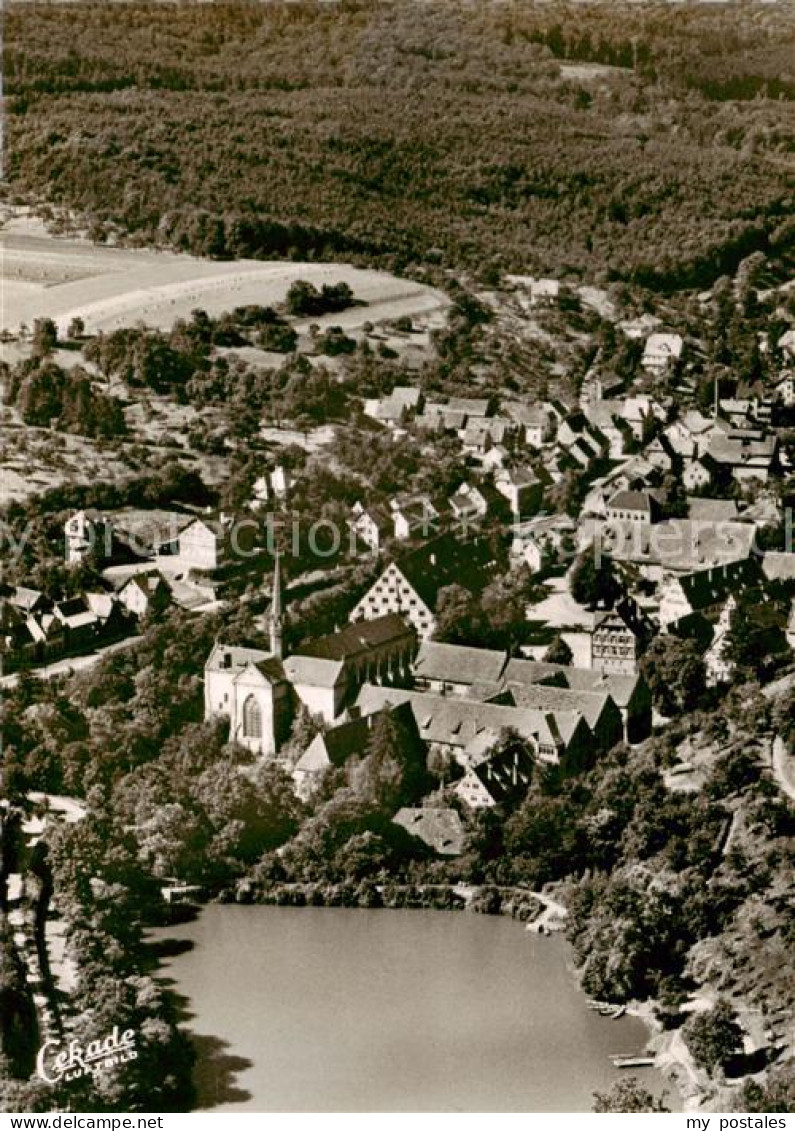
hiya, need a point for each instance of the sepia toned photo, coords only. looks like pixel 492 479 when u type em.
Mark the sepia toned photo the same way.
pixel 397 602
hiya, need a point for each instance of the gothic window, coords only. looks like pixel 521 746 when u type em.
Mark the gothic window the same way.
pixel 252 718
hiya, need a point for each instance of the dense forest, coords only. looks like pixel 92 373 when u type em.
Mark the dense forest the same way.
pixel 602 140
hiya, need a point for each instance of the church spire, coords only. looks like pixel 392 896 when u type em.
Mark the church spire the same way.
pixel 276 610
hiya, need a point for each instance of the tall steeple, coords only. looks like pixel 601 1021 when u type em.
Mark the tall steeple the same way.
pixel 276 610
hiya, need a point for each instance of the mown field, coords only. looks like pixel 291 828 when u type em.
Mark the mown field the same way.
pixel 604 141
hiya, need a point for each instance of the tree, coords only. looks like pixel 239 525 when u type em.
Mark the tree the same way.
pixel 456 615
pixel 45 337
pixel 674 670
pixel 592 579
pixel 628 1095
pixel 713 1036
pixel 558 651
pixel 76 328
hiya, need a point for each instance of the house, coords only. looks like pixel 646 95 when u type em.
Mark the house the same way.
pixel 332 747
pixel 629 692
pixel 659 453
pixel 87 532
pixel 327 672
pixel 596 707
pixel 535 422
pixel 483 432
pixel 617 639
pixel 784 388
pixel 500 778
pixel 531 551
pixel 719 668
pixel 697 473
pixel 495 458
pixel 633 506
pixel 467 504
pixel 786 343
pixel 29 601
pixel 394 408
pixel 522 488
pixel 202 544
pixel 440 829
pixel 703 592
pixel 453 668
pixel 273 487
pixel 144 594
pixel 748 453
pixel 371 525
pixel 413 518
pixel 711 510
pixel 544 292
pixel 411 584
pixel 662 351
pixel 605 416
pixel 677 545
pixel 81 625
pixel 639 412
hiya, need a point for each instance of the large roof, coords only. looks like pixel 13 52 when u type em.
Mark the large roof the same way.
pixel 440 829
pixel 357 638
pixel 454 721
pixel 455 663
pixel 444 561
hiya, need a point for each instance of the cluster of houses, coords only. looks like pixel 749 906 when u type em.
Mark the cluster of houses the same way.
pixel 37 629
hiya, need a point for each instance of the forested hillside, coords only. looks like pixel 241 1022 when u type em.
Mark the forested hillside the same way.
pixel 616 140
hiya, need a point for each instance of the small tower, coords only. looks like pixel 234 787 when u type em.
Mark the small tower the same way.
pixel 276 622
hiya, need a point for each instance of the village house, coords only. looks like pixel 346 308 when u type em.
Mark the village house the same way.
pixel 662 351
pixel 86 533
pixel 413 518
pixel 482 433
pixel 274 487
pixel 329 748
pixel 500 778
pixel 372 525
pixel 454 669
pixel 523 489
pixel 144 594
pixel 697 474
pixel 395 408
pixel 535 421
pixel 703 592
pixel 748 453
pixel 784 388
pixel 719 668
pixel 633 506
pixel 617 640
pixel 467 504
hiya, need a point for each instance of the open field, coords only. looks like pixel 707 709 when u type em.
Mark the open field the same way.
pixel 47 276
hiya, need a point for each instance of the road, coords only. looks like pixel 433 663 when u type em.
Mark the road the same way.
pixel 70 663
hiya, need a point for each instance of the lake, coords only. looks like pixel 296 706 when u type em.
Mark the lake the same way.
pixel 331 1009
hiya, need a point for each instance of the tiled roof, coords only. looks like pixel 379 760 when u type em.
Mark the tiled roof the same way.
pixel 455 663
pixel 356 638
pixel 441 829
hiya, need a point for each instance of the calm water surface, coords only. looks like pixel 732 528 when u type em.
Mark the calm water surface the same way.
pixel 326 1009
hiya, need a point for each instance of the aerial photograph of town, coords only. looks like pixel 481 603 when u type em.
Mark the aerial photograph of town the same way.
pixel 397 587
